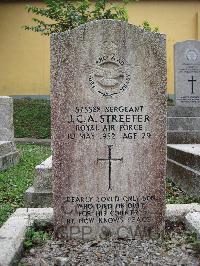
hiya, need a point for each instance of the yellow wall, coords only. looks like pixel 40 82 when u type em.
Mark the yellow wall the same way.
pixel 24 56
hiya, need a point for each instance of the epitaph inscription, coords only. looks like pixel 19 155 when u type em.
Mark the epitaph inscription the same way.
pixel 109 130
pixel 187 71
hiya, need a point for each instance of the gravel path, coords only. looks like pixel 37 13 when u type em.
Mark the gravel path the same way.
pixel 173 250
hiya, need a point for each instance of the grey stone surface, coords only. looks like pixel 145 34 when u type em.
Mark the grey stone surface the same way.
pixel 183 125
pixel 183 137
pixel 181 111
pixel 186 154
pixel 43 179
pixel 6 119
pixel 40 194
pixel 192 221
pixel 9 156
pixel 184 168
pixel 177 212
pixel 12 233
pixel 8 153
pixel 33 141
pixel 187 70
pixel 38 198
pixel 108 81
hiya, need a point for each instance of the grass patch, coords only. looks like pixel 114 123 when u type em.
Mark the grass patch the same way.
pixel 37 235
pixel 15 181
pixel 32 118
pixel 176 195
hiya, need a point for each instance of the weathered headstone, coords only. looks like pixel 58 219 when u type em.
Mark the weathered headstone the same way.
pixel 187 73
pixel 108 81
pixel 8 153
pixel 6 119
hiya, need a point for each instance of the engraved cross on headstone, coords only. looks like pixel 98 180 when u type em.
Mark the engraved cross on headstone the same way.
pixel 192 80
pixel 110 159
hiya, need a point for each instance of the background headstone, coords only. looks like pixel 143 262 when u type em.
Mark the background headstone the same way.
pixel 108 81
pixel 6 119
pixel 8 153
pixel 187 73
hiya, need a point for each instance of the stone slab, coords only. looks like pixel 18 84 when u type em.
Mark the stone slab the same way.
pixel 33 141
pixel 184 177
pixel 8 160
pixel 183 137
pixel 177 212
pixel 38 199
pixel 43 178
pixel 187 70
pixel 183 123
pixel 108 82
pixel 186 154
pixel 6 119
pixel 181 111
pixel 6 147
pixel 12 233
pixel 192 221
pixel 183 166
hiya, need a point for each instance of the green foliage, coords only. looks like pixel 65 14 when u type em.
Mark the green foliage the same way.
pixel 65 15
pixel 15 181
pixel 32 118
pixel 35 237
pixel 176 195
pixel 146 26
pixel 193 240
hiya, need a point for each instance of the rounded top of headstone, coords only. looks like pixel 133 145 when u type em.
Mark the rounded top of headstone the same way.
pixel 187 42
pixel 107 22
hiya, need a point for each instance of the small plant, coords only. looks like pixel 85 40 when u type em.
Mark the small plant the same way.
pixel 193 240
pixel 65 15
pixel 146 26
pixel 35 237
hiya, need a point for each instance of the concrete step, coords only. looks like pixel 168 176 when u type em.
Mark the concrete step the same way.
pixel 6 147
pixel 185 137
pixel 180 111
pixel 37 199
pixel 9 160
pixel 185 154
pixel 183 124
pixel 43 178
pixel 183 166
pixel 186 178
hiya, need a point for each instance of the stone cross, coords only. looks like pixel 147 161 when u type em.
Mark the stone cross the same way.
pixel 192 82
pixel 109 159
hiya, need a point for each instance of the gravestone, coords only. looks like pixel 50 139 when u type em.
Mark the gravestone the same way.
pixel 8 153
pixel 184 118
pixel 108 81
pixel 6 119
pixel 187 73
